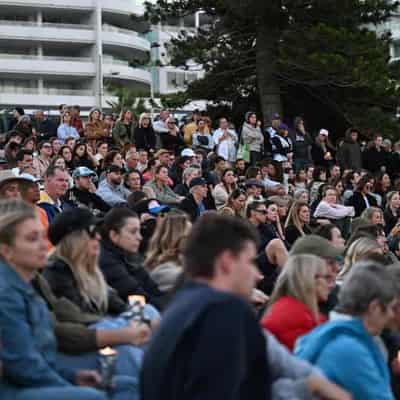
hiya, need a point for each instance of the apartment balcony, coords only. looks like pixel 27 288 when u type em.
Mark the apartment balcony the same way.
pixel 47 97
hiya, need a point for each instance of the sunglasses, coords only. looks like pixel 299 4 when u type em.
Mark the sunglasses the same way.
pixel 264 212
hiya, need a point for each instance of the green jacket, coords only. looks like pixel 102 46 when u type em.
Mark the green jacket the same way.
pixel 123 134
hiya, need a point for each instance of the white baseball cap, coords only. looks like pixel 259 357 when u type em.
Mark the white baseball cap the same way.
pixel 324 132
pixel 187 153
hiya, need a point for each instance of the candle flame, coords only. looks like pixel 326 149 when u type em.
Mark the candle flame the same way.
pixel 108 351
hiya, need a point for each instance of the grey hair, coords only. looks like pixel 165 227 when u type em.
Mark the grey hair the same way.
pixel 365 283
pixel 187 172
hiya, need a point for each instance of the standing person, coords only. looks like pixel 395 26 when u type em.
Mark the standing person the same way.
pixel 65 129
pixel 252 136
pixel 123 132
pixel 374 158
pixel 225 139
pixel 144 135
pixel 282 145
pixel 28 343
pixel 302 143
pixel 172 139
pixel 42 127
pixel 95 128
pixel 209 327
pixel 202 138
pixel 349 153
pixel 76 120
pixel 322 151
pixel 42 161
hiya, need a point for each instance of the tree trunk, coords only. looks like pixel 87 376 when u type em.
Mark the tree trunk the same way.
pixel 266 61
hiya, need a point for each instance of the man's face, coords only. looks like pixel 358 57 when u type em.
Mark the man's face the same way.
pixel 275 123
pixel 46 149
pixel 114 178
pixel 260 213
pixel 56 186
pixel 354 136
pixel 83 182
pixel 39 116
pixel 378 141
pixel 56 146
pixel 221 165
pixel 201 191
pixel 134 182
pixel 143 157
pixel 133 161
pixel 27 163
pixel 241 165
pixel 332 270
pixel 164 159
pixel 164 115
pixel 243 271
pixel 335 172
pixel 223 123
pixel 10 190
pixel 32 193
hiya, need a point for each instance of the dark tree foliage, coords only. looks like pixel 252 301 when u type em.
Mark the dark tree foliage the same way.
pixel 318 58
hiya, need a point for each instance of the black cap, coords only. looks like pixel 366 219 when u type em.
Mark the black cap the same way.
pixel 197 182
pixel 73 220
pixel 113 168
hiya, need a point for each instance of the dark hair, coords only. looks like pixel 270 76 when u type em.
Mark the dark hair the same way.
pixel 22 153
pixel 135 197
pixel 100 143
pixel 362 182
pixel 325 231
pixel 252 172
pixel 115 220
pixel 219 159
pixel 210 237
pixel 317 172
pixel 42 143
pixel 253 206
pixel 109 158
pixel 159 168
pixel 74 151
pixel 51 171
pixel 126 177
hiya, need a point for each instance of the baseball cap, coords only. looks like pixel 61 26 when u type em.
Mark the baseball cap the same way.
pixel 197 182
pixel 83 171
pixel 324 132
pixel 151 206
pixel 283 127
pixel 187 153
pixel 315 245
pixel 276 116
pixel 72 220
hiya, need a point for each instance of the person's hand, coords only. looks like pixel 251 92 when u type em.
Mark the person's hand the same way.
pixel 327 156
pixel 395 231
pixel 323 222
pixel 88 378
pixel 181 198
pixel 258 298
pixel 325 389
pixel 138 333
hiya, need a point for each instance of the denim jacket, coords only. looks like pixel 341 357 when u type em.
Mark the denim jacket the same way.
pixel 28 345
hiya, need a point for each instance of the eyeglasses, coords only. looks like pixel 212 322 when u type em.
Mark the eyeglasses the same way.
pixel 92 231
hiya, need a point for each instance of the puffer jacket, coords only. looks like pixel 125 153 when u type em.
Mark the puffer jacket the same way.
pixel 253 137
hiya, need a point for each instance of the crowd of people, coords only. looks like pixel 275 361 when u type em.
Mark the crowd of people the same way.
pixel 217 262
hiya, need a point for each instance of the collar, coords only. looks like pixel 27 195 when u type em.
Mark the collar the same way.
pixel 8 274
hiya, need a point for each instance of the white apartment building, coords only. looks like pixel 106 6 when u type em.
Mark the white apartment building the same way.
pixel 55 51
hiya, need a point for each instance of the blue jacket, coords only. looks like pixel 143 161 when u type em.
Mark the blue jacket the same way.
pixel 348 356
pixel 112 195
pixel 28 350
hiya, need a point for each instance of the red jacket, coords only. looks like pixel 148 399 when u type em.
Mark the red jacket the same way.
pixel 289 319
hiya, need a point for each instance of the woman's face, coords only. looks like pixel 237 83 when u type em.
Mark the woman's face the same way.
pixel 29 145
pixel 310 173
pixel 60 163
pixel 377 218
pixel 337 238
pixel 67 154
pixel 29 249
pixel 367 188
pixel 272 213
pixel 395 201
pixel 80 151
pixel 239 203
pixel 386 181
pixel 322 176
pixel 96 115
pixel 162 175
pixel 322 138
pixel 145 122
pixel 103 149
pixel 339 188
pixel 117 160
pixel 56 146
pixel 93 246
pixel 322 285
pixel 128 116
pixel 356 178
pixel 129 237
pixel 67 118
pixel 304 215
pixel 253 119
pixel 229 178
pixel 304 197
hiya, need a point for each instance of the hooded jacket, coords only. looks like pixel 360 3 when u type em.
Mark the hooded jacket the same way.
pixel 349 154
pixel 349 356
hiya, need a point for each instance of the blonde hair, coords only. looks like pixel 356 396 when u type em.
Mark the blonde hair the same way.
pixel 293 216
pixel 357 251
pixel 142 117
pixel 167 240
pixel 368 213
pixel 297 280
pixel 90 280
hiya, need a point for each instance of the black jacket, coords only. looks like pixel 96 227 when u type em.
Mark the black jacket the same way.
pixel 171 142
pixel 349 155
pixel 125 277
pixel 357 201
pixel 63 284
pixel 208 346
pixel 86 199
pixel 317 154
pixel 373 159
pixel 145 138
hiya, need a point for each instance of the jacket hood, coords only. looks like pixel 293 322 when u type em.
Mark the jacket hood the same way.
pixel 310 346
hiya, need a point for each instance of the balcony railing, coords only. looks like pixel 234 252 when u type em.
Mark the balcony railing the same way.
pixel 45 91
pixel 111 28
pixel 45 24
pixel 45 58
